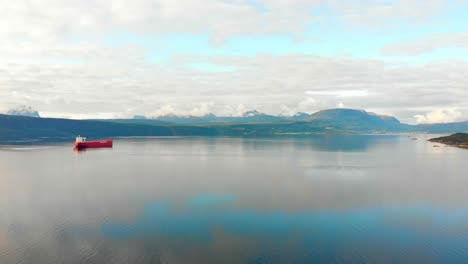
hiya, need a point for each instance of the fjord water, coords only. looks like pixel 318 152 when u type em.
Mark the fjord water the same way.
pixel 317 199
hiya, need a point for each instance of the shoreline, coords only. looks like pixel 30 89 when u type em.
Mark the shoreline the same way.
pixel 61 140
pixel 459 140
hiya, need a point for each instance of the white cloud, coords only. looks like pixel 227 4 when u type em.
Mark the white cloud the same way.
pixel 164 110
pixel 54 58
pixel 201 110
pixel 271 84
pixel 381 14
pixel 47 21
pixel 340 93
pixel 439 116
pixel 240 110
pixel 50 20
pixel 428 44
pixel 310 105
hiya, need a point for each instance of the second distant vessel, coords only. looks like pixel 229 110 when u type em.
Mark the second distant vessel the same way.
pixel 81 142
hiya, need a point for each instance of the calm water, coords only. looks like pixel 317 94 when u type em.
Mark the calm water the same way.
pixel 323 199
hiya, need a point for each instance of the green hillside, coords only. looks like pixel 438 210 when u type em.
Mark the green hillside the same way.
pixel 14 128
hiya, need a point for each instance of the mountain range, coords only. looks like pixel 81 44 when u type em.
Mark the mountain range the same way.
pixel 248 117
pixel 23 111
pixel 16 129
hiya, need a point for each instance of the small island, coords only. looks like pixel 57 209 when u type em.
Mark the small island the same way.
pixel 457 140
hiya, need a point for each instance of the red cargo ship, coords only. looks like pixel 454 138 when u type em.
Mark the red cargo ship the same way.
pixel 82 143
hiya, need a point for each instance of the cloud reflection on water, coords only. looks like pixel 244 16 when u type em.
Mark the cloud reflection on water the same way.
pixel 240 200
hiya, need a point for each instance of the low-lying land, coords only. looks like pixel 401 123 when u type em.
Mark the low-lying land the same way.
pixel 458 140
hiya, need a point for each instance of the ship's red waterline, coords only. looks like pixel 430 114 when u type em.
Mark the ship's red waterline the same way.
pixel 81 142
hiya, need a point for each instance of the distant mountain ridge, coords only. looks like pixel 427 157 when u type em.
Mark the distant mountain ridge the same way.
pixel 14 128
pixel 336 116
pixel 346 113
pixel 252 116
pixel 23 111
pixel 351 119
pixel 297 116
pixel 339 120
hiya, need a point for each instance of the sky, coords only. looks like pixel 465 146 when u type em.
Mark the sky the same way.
pixel 116 59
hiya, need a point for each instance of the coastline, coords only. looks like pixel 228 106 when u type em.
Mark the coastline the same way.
pixel 459 140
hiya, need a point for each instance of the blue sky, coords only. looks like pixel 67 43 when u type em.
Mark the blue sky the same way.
pixel 193 57
pixel 329 38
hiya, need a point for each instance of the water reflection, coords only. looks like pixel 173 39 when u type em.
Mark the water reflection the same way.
pixel 328 143
pixel 346 143
pixel 79 149
pixel 367 199
pixel 368 235
pixel 84 150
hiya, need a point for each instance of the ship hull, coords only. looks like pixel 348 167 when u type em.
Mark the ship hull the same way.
pixel 106 143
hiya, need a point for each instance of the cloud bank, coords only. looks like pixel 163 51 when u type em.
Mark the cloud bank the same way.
pixel 60 58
